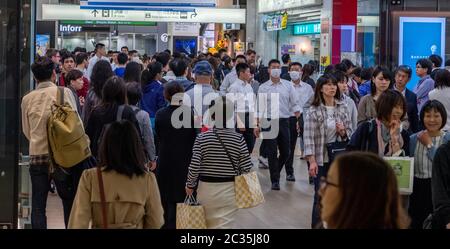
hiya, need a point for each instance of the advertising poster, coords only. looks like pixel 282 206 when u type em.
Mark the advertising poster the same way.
pixel 187 45
pixel 275 22
pixel 42 44
pixel 419 38
pixel 404 171
pixel 288 49
pixel 239 47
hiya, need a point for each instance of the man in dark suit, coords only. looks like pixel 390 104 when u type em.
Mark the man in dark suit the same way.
pixel 286 58
pixel 402 77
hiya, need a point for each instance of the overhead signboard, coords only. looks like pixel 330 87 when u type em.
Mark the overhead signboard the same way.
pixel 155 5
pixel 413 47
pixel 275 22
pixel 87 22
pixel 200 15
pixel 277 5
pixel 307 28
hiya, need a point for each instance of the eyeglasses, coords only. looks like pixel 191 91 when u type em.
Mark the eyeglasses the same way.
pixel 324 183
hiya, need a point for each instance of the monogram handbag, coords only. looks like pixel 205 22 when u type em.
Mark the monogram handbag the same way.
pixel 190 214
pixel 246 186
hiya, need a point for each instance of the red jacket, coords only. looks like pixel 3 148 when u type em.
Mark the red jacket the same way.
pixel 82 92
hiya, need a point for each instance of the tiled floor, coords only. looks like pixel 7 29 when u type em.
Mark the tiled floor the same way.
pixel 288 208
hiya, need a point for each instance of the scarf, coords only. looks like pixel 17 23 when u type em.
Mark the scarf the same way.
pixel 385 136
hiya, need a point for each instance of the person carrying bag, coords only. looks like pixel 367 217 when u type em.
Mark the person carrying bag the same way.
pixel 190 214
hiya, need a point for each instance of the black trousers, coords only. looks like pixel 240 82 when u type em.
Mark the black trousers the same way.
pixel 420 203
pixel 293 135
pixel 281 143
pixel 316 221
pixel 248 135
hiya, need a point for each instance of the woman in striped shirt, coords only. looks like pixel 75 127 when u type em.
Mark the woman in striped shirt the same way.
pixel 423 146
pixel 218 156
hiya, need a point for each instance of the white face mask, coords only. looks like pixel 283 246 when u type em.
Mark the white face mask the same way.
pixel 295 75
pixel 275 73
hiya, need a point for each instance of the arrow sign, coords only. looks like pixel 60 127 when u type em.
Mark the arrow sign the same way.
pixel 95 12
pixel 194 14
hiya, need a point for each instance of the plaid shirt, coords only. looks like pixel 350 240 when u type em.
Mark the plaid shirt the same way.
pixel 314 134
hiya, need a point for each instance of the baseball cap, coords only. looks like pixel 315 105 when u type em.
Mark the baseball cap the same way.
pixel 202 68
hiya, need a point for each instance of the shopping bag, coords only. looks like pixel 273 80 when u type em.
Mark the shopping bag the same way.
pixel 190 214
pixel 248 190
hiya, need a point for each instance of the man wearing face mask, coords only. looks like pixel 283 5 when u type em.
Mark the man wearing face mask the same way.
pixel 232 76
pixel 277 102
pixel 304 92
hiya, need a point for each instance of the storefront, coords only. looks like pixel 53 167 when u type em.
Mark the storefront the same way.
pixel 289 27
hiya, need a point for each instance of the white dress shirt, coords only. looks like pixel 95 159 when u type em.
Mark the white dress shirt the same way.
pixel 277 100
pixel 304 92
pixel 241 93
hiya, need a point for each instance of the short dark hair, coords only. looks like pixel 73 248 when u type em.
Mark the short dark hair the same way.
pixel 348 63
pixel 425 63
pixel 168 51
pixel 125 48
pixel 295 64
pixel 171 88
pixel 241 67
pixel 241 56
pixel 273 61
pixel 100 74
pixel 134 92
pixel 81 57
pixel 114 92
pixel 67 56
pixel 307 71
pixel 442 78
pixel 285 58
pixel 43 68
pixel 150 72
pixel 387 101
pixel 436 106
pixel 163 58
pixel 387 75
pixel 121 149
pixel 405 69
pixel 122 58
pixel 73 74
pixel 79 49
pixel 133 72
pixel 341 67
pixel 250 52
pixel 178 66
pixel 357 72
pixel 99 45
pixel 366 73
pixel 323 80
pixel 339 75
pixel 222 50
pixel 436 60
pixel 329 69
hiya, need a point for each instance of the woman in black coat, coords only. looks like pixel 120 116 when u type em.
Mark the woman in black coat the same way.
pixel 175 143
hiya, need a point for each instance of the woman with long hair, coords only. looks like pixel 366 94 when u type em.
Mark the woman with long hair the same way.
pixel 132 197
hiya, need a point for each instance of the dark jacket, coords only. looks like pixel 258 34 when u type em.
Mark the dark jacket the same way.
pixel 77 99
pixel 153 98
pixel 440 186
pixel 413 116
pixel 102 116
pixel 365 138
pixel 174 153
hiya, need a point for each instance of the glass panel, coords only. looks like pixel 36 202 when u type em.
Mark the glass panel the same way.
pixel 367 44
pixel 125 40
pixel 94 38
pixel 145 44
pixel 70 42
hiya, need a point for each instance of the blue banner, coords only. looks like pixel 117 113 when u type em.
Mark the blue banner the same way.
pixel 154 5
pixel 419 38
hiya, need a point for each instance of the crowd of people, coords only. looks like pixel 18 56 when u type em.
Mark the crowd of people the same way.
pixel 168 126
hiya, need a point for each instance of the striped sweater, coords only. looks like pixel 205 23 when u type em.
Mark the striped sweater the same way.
pixel 210 159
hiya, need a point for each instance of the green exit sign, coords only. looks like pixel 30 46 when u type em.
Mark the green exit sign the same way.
pixel 307 28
